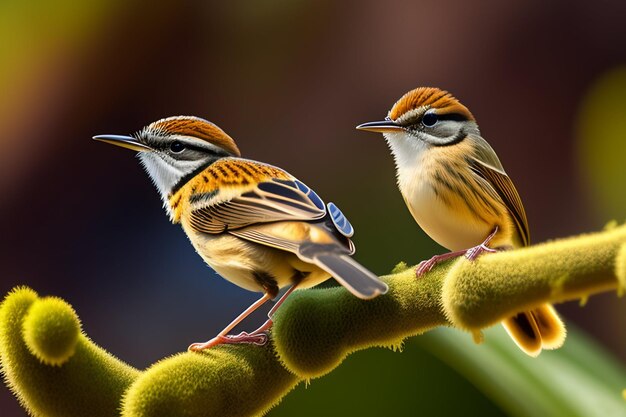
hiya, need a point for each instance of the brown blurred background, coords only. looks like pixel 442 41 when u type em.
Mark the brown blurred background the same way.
pixel 289 80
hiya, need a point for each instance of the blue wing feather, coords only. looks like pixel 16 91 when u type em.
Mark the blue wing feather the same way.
pixel 340 221
pixel 311 194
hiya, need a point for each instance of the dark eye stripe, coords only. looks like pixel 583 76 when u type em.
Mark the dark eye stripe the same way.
pixel 193 147
pixel 457 117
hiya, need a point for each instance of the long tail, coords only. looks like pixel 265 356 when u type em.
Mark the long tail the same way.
pixel 352 275
pixel 536 329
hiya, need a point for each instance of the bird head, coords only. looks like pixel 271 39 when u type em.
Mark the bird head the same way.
pixel 175 149
pixel 425 115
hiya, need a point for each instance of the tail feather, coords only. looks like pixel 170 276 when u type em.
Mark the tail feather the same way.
pixel 550 326
pixel 524 331
pixel 352 275
pixel 538 329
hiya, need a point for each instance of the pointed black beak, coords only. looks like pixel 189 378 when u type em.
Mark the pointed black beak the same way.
pixel 127 142
pixel 381 126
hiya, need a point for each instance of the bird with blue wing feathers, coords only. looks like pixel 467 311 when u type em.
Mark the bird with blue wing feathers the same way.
pixel 255 224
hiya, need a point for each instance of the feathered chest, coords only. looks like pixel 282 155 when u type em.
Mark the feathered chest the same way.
pixel 450 202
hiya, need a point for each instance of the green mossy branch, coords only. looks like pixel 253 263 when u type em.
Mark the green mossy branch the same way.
pixel 231 380
pixel 54 370
pixel 480 294
pixel 315 330
pixel 90 382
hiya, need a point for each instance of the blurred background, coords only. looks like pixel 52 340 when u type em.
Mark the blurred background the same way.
pixel 289 80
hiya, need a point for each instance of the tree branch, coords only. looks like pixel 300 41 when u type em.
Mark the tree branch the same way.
pixel 46 363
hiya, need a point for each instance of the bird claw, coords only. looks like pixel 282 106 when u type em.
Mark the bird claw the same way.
pixel 258 339
pixel 425 266
pixel 476 251
pixel 471 254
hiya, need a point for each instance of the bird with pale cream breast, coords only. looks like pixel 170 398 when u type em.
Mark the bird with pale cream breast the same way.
pixel 458 192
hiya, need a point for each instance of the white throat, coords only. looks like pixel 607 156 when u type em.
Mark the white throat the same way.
pixel 407 153
pixel 166 174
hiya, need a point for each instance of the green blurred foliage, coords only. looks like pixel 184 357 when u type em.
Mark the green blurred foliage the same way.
pixel 38 34
pixel 601 135
pixel 579 380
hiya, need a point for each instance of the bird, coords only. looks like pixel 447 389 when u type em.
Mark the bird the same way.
pixel 255 224
pixel 458 192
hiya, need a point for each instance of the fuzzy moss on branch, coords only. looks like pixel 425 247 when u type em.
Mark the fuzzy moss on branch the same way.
pixel 71 376
pixel 230 380
pixel 314 331
pixel 477 295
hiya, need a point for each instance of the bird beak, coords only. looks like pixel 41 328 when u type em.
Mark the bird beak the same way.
pixel 381 127
pixel 127 142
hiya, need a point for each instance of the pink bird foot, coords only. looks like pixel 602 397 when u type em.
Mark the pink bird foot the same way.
pixel 258 339
pixel 476 251
pixel 471 254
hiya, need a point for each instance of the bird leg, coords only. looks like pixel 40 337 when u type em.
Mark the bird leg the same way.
pixel 471 254
pixel 268 324
pixel 223 336
pixel 476 251
pixel 257 337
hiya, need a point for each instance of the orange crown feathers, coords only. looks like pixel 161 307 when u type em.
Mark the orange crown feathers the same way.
pixel 197 128
pixel 429 97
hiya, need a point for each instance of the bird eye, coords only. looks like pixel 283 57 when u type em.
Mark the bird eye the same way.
pixel 429 119
pixel 177 147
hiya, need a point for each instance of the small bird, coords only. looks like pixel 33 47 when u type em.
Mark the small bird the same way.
pixel 255 224
pixel 457 191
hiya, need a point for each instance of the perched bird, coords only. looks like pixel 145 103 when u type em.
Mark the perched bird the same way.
pixel 253 223
pixel 456 189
